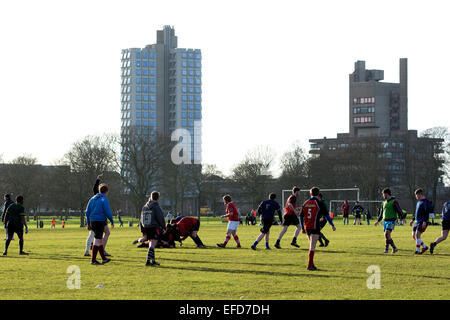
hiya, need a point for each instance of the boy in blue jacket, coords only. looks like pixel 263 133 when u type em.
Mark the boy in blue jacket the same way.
pixel 97 213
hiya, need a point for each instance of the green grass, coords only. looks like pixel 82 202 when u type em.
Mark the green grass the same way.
pixel 213 273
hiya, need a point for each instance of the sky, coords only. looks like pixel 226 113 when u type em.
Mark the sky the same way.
pixel 274 72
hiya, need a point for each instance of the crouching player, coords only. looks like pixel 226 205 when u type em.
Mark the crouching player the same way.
pixel 187 227
pixel 445 226
pixel 266 211
pixel 389 213
pixel 310 214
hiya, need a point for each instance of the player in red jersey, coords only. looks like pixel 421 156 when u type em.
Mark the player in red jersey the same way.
pixel 187 227
pixel 232 215
pixel 290 218
pixel 311 213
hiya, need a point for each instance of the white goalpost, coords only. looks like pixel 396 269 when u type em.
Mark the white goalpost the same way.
pixel 284 197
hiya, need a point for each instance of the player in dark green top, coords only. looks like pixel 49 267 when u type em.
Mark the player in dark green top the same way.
pixel 390 212
pixel 15 221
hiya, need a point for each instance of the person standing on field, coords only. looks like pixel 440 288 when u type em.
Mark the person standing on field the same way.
pixel 423 209
pixel 97 213
pixel 291 213
pixel 345 211
pixel 267 210
pixel 7 203
pixel 15 221
pixel 390 212
pixel 152 221
pixel 232 214
pixel 445 226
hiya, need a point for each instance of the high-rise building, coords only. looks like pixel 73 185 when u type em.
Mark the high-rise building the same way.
pixel 378 108
pixel 161 90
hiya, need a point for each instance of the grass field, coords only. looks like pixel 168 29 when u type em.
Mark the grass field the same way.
pixel 214 273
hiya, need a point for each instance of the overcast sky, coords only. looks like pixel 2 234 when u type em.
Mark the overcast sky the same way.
pixel 273 71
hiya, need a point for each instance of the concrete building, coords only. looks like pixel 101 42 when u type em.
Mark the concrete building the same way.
pixel 378 140
pixel 161 90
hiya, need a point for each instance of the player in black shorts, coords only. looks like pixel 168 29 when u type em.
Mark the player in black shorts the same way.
pixel 322 223
pixel 291 213
pixel 15 221
pixel 266 211
pixel 445 226
pixel 153 224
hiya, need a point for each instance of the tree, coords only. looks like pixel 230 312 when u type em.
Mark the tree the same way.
pixel 252 174
pixel 294 167
pixel 87 158
pixel 144 158
pixel 212 179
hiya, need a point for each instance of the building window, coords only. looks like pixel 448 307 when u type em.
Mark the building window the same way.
pixel 184 98
pixel 198 107
pixel 138 97
pixel 152 72
pixel 153 115
pixel 183 115
pixel 138 114
pixel 152 106
pixel 144 63
pixel 183 89
pixel 138 122
pixel 145 106
pixel 138 72
pixel 138 55
pixel 153 98
pixel 145 55
pixel 183 64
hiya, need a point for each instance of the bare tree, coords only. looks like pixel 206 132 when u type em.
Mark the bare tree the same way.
pixel 294 167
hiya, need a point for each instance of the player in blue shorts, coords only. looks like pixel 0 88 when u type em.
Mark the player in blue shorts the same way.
pixel 445 226
pixel 389 213
pixel 266 211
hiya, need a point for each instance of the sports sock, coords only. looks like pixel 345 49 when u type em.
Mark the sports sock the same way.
pixel 278 241
pixel 320 240
pixel 197 241
pixel 236 238
pixel 310 258
pixel 7 242
pixel 267 245
pixel 151 254
pixel 21 245
pixel 255 243
pixel 94 253
pixel 294 240
pixel 227 238
pixel 101 250
pixel 418 243
pixel 387 245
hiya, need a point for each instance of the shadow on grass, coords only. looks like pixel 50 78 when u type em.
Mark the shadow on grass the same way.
pixel 259 272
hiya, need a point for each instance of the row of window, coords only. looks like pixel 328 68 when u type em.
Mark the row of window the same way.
pixel 145 106
pixel 191 98
pixel 140 114
pixel 125 81
pixel 191 55
pixel 357 110
pixel 191 106
pixel 146 80
pixel 191 80
pixel 145 63
pixel 191 64
pixel 145 97
pixel 191 89
pixel 144 89
pixel 364 100
pixel 185 72
pixel 145 72
pixel 146 123
pixel 145 55
pixel 191 115
pixel 363 120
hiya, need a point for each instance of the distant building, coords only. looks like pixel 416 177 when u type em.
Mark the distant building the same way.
pixel 378 130
pixel 161 91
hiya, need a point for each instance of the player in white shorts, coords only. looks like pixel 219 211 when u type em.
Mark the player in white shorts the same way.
pixel 232 214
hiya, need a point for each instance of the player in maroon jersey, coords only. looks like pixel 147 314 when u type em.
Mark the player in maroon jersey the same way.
pixel 311 212
pixel 232 215
pixel 187 227
pixel 290 218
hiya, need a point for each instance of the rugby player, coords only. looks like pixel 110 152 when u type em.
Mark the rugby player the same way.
pixel 310 214
pixel 7 203
pixel 322 223
pixel 389 213
pixel 290 218
pixel 97 211
pixel 357 210
pixel 345 211
pixel 423 209
pixel 152 220
pixel 445 226
pixel 15 221
pixel 266 211
pixel 232 214
pixel 187 227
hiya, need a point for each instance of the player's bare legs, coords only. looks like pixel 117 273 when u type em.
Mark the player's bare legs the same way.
pixel 443 236
pixel 105 239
